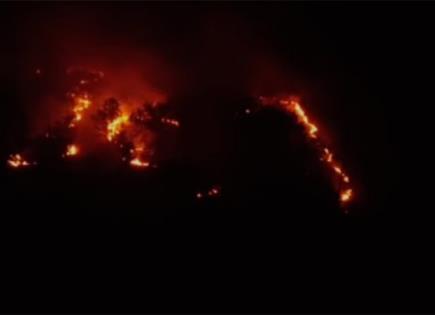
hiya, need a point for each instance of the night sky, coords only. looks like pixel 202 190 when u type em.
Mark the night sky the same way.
pixel 360 70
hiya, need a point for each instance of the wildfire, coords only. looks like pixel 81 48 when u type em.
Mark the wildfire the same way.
pixel 114 128
pixel 81 104
pixel 72 150
pixel 16 160
pixel 129 126
pixel 132 130
pixel 293 106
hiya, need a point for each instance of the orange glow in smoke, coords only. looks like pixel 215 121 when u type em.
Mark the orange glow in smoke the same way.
pixel 16 160
pixel 114 128
pixel 132 120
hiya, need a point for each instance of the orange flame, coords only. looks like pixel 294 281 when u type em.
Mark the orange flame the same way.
pixel 137 162
pixel 72 150
pixel 328 155
pixel 114 128
pixel 16 160
pixel 81 104
pixel 293 106
pixel 108 120
pixel 346 195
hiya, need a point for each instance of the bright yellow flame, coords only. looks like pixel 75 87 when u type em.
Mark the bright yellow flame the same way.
pixel 346 195
pixel 114 128
pixel 137 162
pixel 72 150
pixel 81 103
pixel 16 160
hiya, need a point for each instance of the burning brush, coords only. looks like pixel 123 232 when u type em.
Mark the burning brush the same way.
pixel 131 127
pixel 294 107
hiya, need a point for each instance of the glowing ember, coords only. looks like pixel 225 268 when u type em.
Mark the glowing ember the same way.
pixel 212 192
pixel 328 155
pixel 170 121
pixel 293 106
pixel 346 195
pixel 16 160
pixel 134 133
pixel 138 163
pixel 72 150
pixel 114 128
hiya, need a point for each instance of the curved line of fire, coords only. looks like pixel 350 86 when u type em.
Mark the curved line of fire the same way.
pixel 293 106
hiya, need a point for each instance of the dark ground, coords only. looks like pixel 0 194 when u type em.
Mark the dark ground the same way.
pixel 81 237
